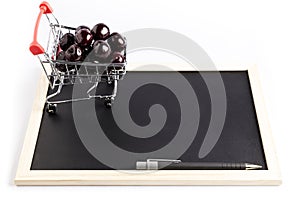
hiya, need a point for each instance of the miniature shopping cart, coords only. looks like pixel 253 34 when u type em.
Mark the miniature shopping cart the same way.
pixel 83 72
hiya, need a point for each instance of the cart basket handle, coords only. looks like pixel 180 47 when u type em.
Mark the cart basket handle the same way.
pixel 35 47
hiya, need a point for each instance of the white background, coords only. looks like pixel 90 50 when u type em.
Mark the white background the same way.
pixel 265 33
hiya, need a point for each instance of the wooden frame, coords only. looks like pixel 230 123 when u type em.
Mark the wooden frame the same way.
pixel 25 176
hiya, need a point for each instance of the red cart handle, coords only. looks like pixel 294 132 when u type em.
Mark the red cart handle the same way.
pixel 35 47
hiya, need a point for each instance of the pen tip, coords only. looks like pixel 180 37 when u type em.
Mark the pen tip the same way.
pixel 250 166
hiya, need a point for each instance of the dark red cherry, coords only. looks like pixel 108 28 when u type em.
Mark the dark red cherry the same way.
pixel 84 37
pixel 66 41
pixel 74 53
pixel 86 52
pixel 117 57
pixel 81 27
pixel 100 31
pixel 61 56
pixel 101 50
pixel 117 42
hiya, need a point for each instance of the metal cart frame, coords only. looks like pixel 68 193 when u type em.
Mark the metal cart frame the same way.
pixel 81 72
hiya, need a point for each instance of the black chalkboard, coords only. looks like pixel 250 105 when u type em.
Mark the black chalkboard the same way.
pixel 59 146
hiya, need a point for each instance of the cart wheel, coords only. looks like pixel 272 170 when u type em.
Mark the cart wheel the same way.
pixel 108 103
pixel 51 108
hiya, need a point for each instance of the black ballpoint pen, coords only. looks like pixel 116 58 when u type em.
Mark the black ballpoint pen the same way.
pixel 155 164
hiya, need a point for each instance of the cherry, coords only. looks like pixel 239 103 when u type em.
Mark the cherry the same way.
pixel 117 42
pixel 74 53
pixel 66 41
pixel 86 52
pixel 59 66
pixel 116 59
pixel 81 27
pixel 84 37
pixel 60 55
pixel 101 50
pixel 100 31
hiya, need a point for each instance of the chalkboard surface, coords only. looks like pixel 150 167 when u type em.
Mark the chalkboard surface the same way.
pixel 59 146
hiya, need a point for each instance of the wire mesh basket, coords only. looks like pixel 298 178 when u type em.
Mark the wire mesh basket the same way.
pixel 61 72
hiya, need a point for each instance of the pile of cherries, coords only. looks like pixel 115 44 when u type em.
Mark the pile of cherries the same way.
pixel 96 45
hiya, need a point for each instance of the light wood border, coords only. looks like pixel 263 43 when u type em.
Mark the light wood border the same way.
pixel 25 176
